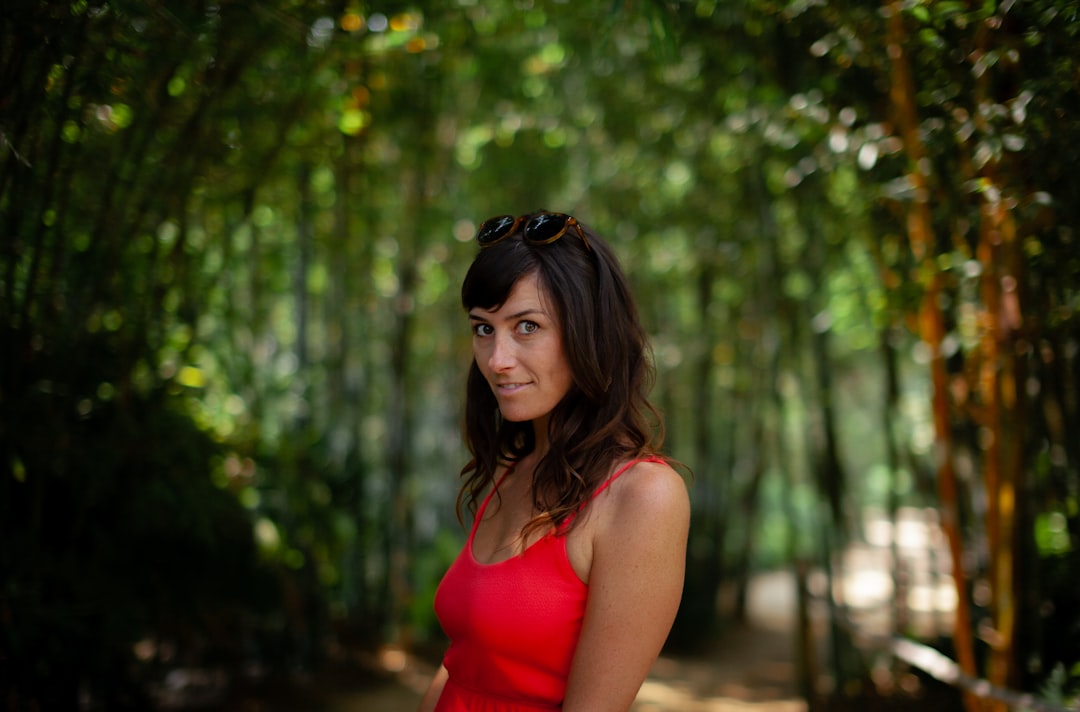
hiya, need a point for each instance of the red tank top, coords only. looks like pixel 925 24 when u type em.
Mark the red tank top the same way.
pixel 513 625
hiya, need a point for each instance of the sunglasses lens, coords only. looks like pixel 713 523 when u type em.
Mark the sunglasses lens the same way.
pixel 546 227
pixel 494 229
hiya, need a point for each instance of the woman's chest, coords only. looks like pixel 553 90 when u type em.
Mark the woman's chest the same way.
pixel 505 533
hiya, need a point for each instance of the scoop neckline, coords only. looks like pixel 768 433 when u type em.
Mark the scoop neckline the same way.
pixel 519 555
pixel 554 532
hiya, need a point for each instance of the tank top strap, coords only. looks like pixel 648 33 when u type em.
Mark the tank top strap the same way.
pixel 624 468
pixel 484 504
pixel 649 458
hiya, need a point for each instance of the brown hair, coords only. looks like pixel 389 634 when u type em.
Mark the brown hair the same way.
pixel 605 417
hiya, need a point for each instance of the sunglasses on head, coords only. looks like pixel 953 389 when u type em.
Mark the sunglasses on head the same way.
pixel 541 229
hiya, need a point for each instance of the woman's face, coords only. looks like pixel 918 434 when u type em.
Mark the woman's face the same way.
pixel 519 349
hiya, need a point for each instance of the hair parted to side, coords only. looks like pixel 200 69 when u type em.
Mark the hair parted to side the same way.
pixel 606 416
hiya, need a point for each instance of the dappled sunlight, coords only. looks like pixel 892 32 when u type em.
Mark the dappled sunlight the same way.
pixel 864 582
pixel 922 570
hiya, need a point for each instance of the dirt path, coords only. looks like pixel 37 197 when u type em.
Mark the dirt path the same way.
pixel 752 669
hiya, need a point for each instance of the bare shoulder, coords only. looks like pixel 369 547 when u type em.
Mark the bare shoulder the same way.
pixel 653 490
pixel 635 579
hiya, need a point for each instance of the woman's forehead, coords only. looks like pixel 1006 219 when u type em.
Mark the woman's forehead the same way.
pixel 528 294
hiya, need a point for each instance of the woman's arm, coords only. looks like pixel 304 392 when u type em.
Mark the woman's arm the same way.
pixel 431 697
pixel 635 584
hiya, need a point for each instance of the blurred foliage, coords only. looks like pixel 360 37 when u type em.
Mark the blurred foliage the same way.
pixel 231 354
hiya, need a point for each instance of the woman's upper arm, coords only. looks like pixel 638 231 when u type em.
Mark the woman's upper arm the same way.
pixel 635 584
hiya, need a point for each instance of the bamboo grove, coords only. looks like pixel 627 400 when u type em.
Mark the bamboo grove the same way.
pixel 231 355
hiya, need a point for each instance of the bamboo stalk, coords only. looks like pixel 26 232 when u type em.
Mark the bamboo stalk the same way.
pixel 931 324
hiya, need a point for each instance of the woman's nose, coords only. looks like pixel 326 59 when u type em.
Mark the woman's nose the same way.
pixel 502 353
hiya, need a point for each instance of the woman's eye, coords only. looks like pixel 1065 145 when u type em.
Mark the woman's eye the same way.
pixel 482 329
pixel 528 327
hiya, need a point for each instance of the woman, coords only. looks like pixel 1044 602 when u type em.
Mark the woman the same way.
pixel 570 579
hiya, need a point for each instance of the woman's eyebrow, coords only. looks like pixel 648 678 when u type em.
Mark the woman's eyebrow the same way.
pixel 509 317
pixel 526 312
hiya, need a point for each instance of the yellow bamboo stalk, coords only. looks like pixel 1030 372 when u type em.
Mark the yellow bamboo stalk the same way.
pixel 1001 387
pixel 1001 393
pixel 931 323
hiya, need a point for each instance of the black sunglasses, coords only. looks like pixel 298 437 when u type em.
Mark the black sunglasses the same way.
pixel 541 229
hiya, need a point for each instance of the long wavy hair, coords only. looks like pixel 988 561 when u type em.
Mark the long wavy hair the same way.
pixel 605 417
